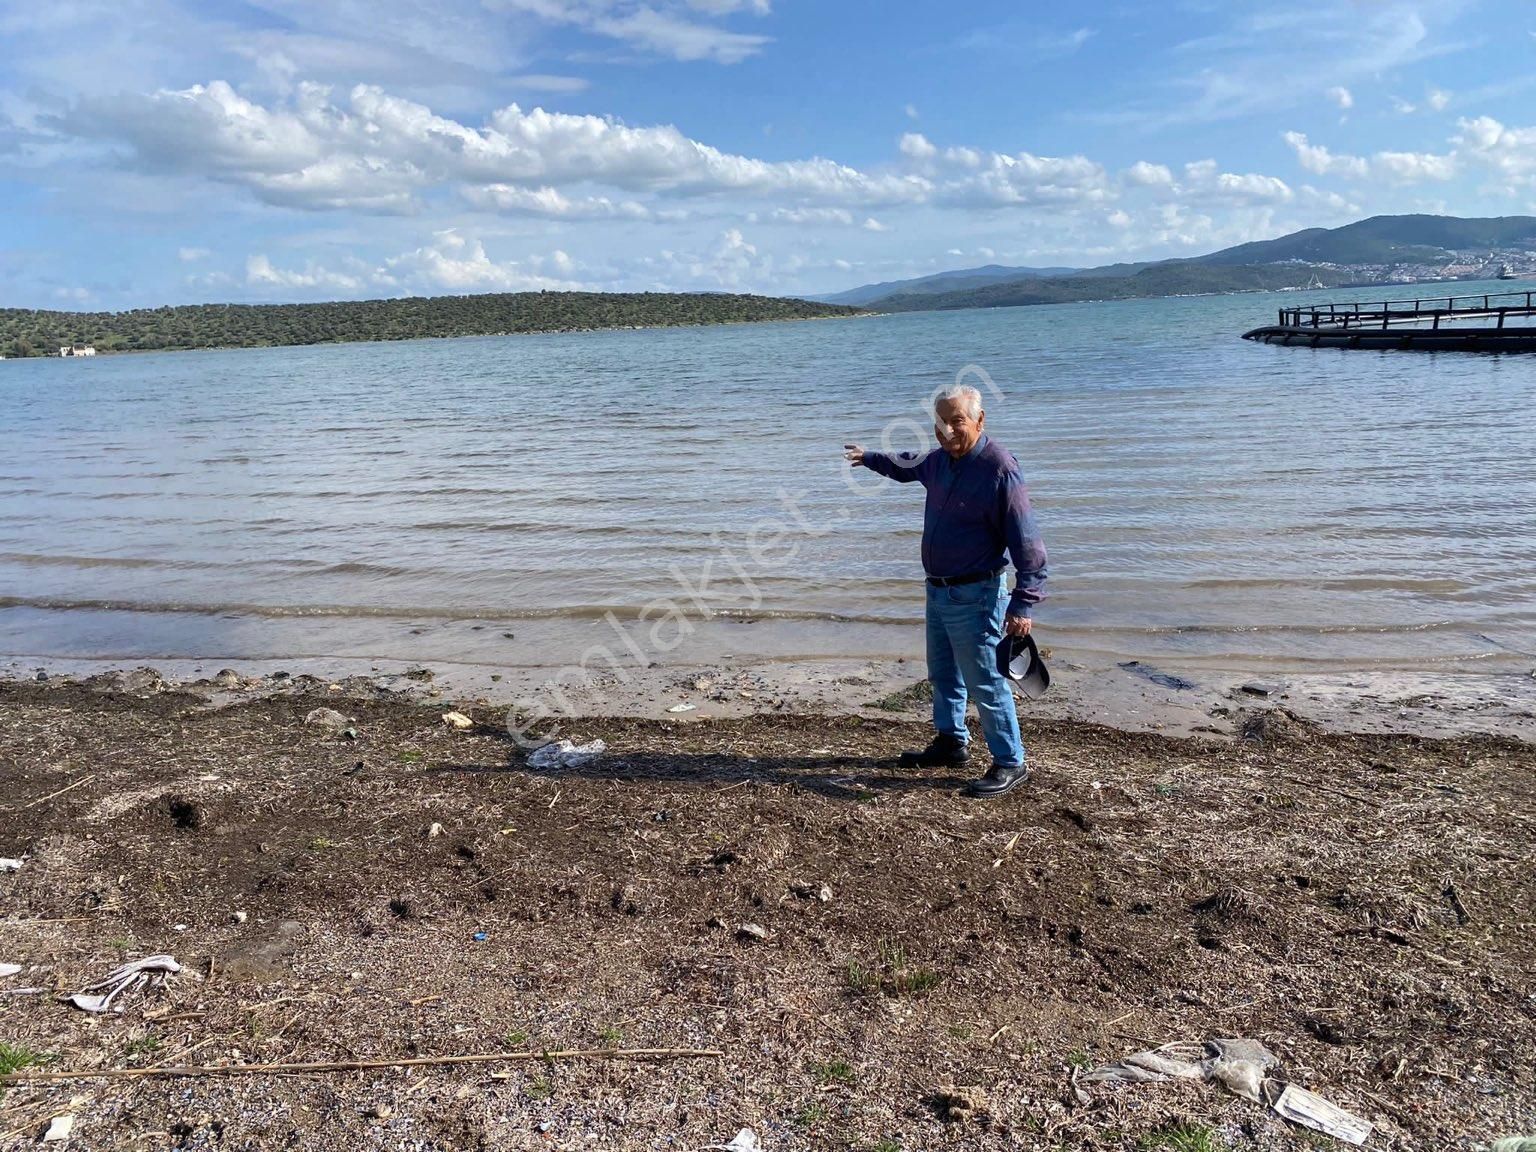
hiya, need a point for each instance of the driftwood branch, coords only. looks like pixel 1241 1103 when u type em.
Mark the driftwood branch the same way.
pixel 28 1076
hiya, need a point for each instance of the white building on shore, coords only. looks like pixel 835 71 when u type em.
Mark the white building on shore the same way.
pixel 77 350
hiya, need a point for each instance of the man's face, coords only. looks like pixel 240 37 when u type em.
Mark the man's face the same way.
pixel 956 429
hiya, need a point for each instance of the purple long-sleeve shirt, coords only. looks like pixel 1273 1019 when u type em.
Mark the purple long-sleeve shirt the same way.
pixel 977 516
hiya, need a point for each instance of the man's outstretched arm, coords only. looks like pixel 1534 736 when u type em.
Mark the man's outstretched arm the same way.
pixel 903 469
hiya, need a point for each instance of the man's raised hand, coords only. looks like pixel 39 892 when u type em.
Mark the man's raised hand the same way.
pixel 853 454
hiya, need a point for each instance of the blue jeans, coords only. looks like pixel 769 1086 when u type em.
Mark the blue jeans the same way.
pixel 965 624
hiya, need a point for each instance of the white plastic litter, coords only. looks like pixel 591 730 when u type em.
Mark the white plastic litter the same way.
pixel 134 976
pixel 59 1129
pixel 9 865
pixel 7 970
pixel 1243 1068
pixel 1312 1110
pixel 564 754
pixel 683 708
pixel 458 720
pixel 744 1141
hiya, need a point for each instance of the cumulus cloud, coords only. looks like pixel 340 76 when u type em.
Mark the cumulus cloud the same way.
pixel 1508 152
pixel 1394 167
pixel 1437 98
pixel 450 262
pixel 378 152
pixel 1413 167
pixel 260 272
pixel 1317 158
pixel 552 203
pixel 811 216
pixel 915 146
pixel 1204 178
pixel 1148 175
pixel 1342 97
pixel 459 264
pixel 375 151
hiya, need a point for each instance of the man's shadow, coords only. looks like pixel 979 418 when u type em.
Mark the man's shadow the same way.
pixel 856 778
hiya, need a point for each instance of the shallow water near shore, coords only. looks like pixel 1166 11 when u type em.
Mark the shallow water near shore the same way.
pixel 1207 502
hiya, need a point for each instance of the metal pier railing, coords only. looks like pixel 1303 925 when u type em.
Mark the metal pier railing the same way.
pixel 1490 321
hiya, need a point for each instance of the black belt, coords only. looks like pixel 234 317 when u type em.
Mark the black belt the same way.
pixel 973 578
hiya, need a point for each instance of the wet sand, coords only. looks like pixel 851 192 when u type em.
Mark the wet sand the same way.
pixel 1176 698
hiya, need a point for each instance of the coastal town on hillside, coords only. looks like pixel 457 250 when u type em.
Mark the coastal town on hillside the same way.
pixel 1500 264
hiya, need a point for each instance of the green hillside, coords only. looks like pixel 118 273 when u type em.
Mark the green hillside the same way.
pixel 24 332
pixel 1174 279
pixel 1285 262
pixel 1385 240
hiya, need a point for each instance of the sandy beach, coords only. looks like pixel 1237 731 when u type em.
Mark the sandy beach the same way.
pixel 879 962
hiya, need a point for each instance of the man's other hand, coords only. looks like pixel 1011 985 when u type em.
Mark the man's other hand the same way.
pixel 853 454
pixel 1017 626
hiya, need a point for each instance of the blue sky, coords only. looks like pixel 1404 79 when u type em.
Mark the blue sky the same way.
pixel 171 151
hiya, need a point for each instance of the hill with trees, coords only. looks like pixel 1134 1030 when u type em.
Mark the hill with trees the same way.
pixel 24 332
pixel 1380 250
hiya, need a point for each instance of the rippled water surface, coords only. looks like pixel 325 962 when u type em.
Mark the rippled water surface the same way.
pixel 1202 497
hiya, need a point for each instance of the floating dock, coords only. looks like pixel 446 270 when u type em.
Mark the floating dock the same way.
pixel 1500 322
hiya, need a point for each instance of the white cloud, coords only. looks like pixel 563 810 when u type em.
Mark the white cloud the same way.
pixel 911 111
pixel 1317 158
pixel 1258 58
pixel 1204 179
pixel 552 203
pixel 543 82
pixel 1508 152
pixel 459 264
pixel 872 225
pixel 1437 98
pixel 726 7
pixel 680 39
pixel 192 255
pixel 1148 175
pixel 376 151
pixel 1413 167
pixel 916 146
pixel 1342 97
pixel 1403 106
pixel 259 272
pixel 665 29
pixel 1394 167
pixel 450 262
pixel 997 179
pixel 821 216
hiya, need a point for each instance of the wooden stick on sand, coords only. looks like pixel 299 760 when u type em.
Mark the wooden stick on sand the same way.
pixel 26 1076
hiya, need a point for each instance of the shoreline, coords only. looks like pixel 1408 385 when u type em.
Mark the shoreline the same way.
pixel 1174 699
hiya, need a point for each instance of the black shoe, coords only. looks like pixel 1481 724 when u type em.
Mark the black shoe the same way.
pixel 945 751
pixel 998 781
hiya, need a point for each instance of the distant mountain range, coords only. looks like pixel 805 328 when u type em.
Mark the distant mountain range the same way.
pixel 1380 250
pixel 943 282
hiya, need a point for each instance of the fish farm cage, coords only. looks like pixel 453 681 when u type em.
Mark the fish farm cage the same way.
pixel 1497 322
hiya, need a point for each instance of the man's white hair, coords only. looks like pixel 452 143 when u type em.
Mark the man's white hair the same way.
pixel 965 392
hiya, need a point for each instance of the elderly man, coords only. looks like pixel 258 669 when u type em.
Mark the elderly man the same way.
pixel 977 514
